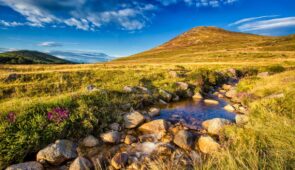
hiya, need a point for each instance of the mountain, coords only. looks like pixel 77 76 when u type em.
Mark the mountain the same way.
pixel 195 43
pixel 30 57
pixel 82 56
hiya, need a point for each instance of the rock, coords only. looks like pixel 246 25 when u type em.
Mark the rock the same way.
pixel 111 137
pixel 119 160
pixel 57 152
pixel 233 72
pixel 165 95
pixel 143 89
pixel 162 102
pixel 222 91
pixel 207 145
pixel 263 74
pixel 149 138
pixel 115 126
pixel 220 95
pixel 129 139
pixel 184 139
pixel 226 87
pixel 159 126
pixel 209 101
pixel 90 141
pixel 213 126
pixel 133 119
pixel 182 85
pixel 243 110
pixel 197 96
pixel 154 112
pixel 229 108
pixel 81 163
pixel 34 165
pixel 129 89
pixel 91 87
pixel 231 93
pixel 176 98
pixel 189 93
pixel 241 119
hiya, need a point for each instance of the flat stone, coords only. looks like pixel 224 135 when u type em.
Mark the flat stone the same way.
pixel 159 126
pixel 207 145
pixel 231 93
pixel 119 160
pixel 90 141
pixel 209 101
pixel 81 163
pixel 33 165
pixel 154 112
pixel 184 139
pixel 197 96
pixel 111 137
pixel 226 87
pixel 213 126
pixel 133 119
pixel 229 108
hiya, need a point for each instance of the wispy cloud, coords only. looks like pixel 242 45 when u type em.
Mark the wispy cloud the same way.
pixel 251 19
pixel 50 44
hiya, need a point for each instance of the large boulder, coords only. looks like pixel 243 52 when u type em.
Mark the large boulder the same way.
pixel 154 127
pixel 26 166
pixel 57 152
pixel 90 141
pixel 154 112
pixel 81 163
pixel 213 126
pixel 207 145
pixel 111 137
pixel 133 119
pixel 120 160
pixel 182 85
pixel 165 95
pixel 184 139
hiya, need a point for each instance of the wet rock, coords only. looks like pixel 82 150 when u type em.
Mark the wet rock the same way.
pixel 90 141
pixel 176 98
pixel 231 93
pixel 182 85
pixel 165 95
pixel 57 152
pixel 207 145
pixel 154 112
pixel 26 166
pixel 241 119
pixel 213 126
pixel 115 126
pixel 159 126
pixel 209 101
pixel 197 96
pixel 229 108
pixel 129 89
pixel 184 139
pixel 119 160
pixel 133 119
pixel 81 163
pixel 129 139
pixel 111 137
pixel 263 74
pixel 162 102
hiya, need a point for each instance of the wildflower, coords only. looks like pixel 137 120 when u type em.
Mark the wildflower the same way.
pixel 11 117
pixel 58 115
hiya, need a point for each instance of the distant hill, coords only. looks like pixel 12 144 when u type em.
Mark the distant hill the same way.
pixel 30 57
pixel 212 40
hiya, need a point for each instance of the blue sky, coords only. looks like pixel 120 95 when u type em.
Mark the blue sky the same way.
pixel 125 27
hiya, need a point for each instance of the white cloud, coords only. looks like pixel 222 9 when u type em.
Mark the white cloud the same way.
pixel 241 21
pixel 11 24
pixel 49 44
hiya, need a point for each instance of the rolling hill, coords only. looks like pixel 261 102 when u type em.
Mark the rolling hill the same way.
pixel 30 57
pixel 212 43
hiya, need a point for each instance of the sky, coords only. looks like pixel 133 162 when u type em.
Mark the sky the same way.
pixel 88 28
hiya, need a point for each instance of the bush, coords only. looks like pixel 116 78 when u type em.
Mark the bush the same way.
pixel 275 69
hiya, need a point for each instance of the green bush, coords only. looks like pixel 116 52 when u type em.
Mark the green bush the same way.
pixel 275 69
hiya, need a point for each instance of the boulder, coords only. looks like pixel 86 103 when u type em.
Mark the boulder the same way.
pixel 231 93
pixel 154 112
pixel 133 119
pixel 159 126
pixel 241 119
pixel 184 139
pixel 207 145
pixel 209 101
pixel 165 95
pixel 213 126
pixel 33 165
pixel 129 139
pixel 229 108
pixel 111 137
pixel 115 126
pixel 119 160
pixel 129 89
pixel 81 163
pixel 182 85
pixel 197 96
pixel 90 141
pixel 58 152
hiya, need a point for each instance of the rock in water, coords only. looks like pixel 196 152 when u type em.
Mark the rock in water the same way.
pixel 165 95
pixel 154 112
pixel 119 160
pixel 154 127
pixel 229 108
pixel 26 166
pixel 81 163
pixel 209 101
pixel 213 126
pixel 57 152
pixel 184 139
pixel 133 119
pixel 241 119
pixel 197 96
pixel 90 141
pixel 231 93
pixel 111 137
pixel 207 145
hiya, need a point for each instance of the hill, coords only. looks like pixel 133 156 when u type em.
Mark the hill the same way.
pixel 213 43
pixel 30 57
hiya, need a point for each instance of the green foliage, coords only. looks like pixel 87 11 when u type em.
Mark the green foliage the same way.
pixel 275 68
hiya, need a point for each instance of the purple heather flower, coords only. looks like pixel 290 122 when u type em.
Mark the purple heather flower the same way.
pixel 58 115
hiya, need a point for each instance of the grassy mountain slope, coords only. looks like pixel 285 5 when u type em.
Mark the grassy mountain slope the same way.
pixel 30 57
pixel 210 44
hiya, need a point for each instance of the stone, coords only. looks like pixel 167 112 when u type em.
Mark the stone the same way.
pixel 81 163
pixel 226 87
pixel 129 89
pixel 189 93
pixel 154 112
pixel 263 74
pixel 148 138
pixel 241 119
pixel 184 139
pixel 115 126
pixel 58 152
pixel 162 102
pixel 129 139
pixel 159 126
pixel 220 95
pixel 229 108
pixel 213 126
pixel 111 137
pixel 207 145
pixel 209 101
pixel 165 95
pixel 176 98
pixel 33 165
pixel 133 119
pixel 231 93
pixel 197 96
pixel 91 88
pixel 233 72
pixel 90 141
pixel 119 160
pixel 182 85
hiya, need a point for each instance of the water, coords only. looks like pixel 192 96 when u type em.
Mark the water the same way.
pixel 192 113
